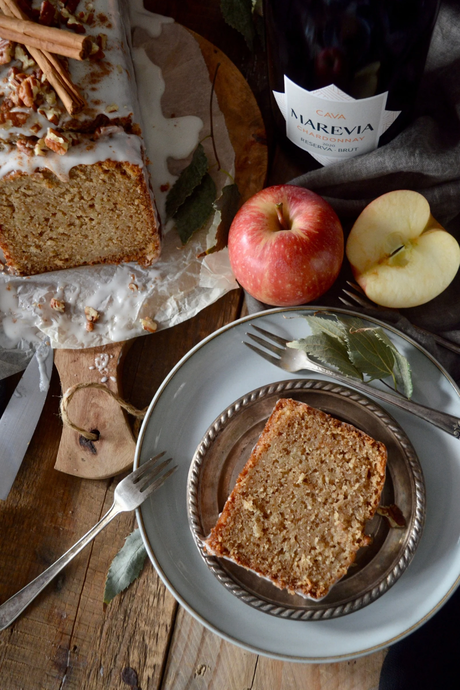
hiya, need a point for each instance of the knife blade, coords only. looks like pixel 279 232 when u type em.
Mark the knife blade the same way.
pixel 18 422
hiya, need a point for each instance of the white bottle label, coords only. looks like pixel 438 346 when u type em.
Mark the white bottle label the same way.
pixel 331 125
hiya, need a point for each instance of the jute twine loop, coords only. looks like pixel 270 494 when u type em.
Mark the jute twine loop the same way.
pixel 70 392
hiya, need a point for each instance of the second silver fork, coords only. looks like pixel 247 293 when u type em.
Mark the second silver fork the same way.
pixel 357 297
pixel 129 494
pixel 293 360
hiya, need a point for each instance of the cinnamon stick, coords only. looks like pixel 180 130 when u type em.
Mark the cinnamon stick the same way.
pixel 53 70
pixel 46 38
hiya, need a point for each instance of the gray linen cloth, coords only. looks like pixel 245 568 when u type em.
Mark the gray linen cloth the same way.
pixel 425 157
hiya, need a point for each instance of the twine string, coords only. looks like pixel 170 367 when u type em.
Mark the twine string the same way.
pixel 90 435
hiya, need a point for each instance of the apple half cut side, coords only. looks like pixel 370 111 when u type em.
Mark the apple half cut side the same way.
pixel 400 255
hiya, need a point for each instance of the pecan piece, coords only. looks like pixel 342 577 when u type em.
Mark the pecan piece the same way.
pixel 28 90
pixel 48 14
pixel 56 143
pixel 149 324
pixel 57 305
pixel 6 51
pixel 91 314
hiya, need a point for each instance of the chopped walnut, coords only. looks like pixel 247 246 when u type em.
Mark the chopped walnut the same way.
pixel 6 51
pixel 91 314
pixel 149 324
pixel 89 326
pixel 56 143
pixel 134 287
pixel 57 305
pixel 111 108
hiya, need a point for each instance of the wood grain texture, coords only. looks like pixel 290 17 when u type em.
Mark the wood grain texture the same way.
pixel 67 638
pixel 93 410
pixel 242 117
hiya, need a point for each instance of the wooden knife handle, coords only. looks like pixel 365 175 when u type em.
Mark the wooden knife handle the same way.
pixel 94 410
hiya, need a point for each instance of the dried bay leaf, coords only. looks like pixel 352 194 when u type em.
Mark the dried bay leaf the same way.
pixel 369 353
pixel 227 204
pixel 330 351
pixel 356 349
pixel 187 182
pixel 196 209
pixel 126 566
pixel 402 369
pixel 238 14
pixel 333 327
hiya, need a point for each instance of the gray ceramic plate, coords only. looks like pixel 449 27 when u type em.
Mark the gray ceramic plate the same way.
pixel 209 378
pixel 223 452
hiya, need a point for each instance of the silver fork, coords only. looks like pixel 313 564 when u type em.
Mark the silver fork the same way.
pixel 292 360
pixel 129 494
pixel 358 297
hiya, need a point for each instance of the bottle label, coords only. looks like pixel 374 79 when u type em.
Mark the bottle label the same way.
pixel 331 125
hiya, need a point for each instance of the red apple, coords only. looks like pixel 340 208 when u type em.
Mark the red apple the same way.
pixel 286 246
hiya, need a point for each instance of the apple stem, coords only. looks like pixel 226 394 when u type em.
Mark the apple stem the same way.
pixel 281 218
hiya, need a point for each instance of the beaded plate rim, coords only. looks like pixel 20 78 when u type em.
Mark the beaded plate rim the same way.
pixel 310 611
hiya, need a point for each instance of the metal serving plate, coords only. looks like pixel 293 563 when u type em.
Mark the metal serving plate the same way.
pixel 222 454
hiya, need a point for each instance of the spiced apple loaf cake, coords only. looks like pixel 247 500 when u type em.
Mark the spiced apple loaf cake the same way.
pixel 74 188
pixel 298 511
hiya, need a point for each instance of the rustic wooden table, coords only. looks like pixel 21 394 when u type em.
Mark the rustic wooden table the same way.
pixel 67 638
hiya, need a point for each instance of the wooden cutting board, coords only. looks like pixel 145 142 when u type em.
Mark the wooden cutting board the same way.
pixel 93 409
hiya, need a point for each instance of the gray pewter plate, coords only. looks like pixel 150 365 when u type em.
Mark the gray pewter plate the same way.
pixel 222 454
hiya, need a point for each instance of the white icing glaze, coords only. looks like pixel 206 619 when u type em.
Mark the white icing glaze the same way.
pixel 169 137
pixel 170 291
pixel 105 84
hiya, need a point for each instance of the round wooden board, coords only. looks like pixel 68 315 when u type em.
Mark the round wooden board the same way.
pixel 243 119
pixel 93 409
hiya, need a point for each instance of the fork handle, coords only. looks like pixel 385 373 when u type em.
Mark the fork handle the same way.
pixel 442 420
pixel 14 606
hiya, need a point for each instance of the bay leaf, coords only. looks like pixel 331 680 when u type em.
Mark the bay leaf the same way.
pixel 329 350
pixel 238 15
pixel 126 566
pixel 196 209
pixel 331 326
pixel 370 354
pixel 187 182
pixel 401 369
pixel 226 205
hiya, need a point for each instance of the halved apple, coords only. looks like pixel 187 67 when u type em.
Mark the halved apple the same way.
pixel 400 255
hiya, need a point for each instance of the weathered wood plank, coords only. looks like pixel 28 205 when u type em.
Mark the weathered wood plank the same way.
pixel 201 660
pixel 66 639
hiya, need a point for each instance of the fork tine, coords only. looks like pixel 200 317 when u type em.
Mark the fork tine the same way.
pixel 277 338
pixel 363 302
pixel 154 471
pixel 265 355
pixel 347 303
pixel 149 489
pixel 269 346
pixel 137 474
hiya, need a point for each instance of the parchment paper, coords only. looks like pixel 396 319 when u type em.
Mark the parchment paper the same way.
pixel 180 284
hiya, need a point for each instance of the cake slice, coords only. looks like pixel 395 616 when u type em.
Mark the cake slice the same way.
pixel 74 187
pixel 298 511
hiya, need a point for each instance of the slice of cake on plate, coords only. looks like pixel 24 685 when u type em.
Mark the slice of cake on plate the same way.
pixel 74 189
pixel 298 511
